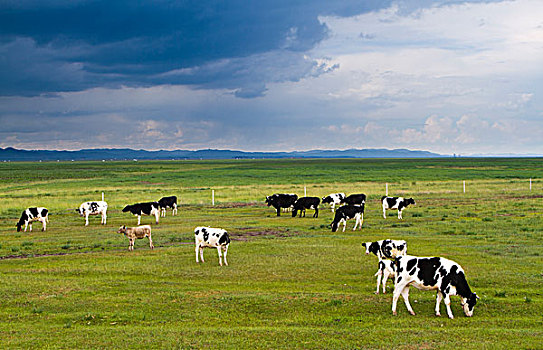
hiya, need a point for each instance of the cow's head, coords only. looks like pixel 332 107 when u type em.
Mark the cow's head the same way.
pixel 19 226
pixel 122 229
pixel 327 199
pixel 268 201
pixel 397 249
pixel 469 304
pixel 335 225
pixel 127 208
pixel 410 201
pixel 367 246
pixel 80 212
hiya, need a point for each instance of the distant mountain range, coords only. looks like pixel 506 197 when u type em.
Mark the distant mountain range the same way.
pixel 12 154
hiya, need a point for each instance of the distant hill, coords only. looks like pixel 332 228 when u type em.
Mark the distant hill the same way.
pixel 12 154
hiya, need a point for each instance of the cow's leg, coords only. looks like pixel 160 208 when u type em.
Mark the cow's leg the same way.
pixel 174 210
pixel 225 249
pixel 384 212
pixel 344 224
pixel 399 214
pixel 361 220
pixel 196 251
pixel 30 226
pixel 139 219
pixel 219 251
pixel 151 243
pixel 86 219
pixel 447 300
pixel 379 274
pixel 278 211
pixel 386 273
pixel 104 218
pixel 439 297
pixel 356 221
pixel 202 254
pixel 131 246
pixel 333 206
pixel 157 215
pixel 398 288
pixel 44 223
pixel 405 295
pixel 316 215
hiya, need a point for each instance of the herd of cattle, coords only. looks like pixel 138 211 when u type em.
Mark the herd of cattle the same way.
pixel 425 273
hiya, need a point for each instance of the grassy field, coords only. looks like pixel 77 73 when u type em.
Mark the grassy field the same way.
pixel 291 283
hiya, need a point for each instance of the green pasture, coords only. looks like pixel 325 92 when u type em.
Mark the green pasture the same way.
pixel 291 282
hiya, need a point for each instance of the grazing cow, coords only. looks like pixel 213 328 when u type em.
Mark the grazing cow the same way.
pixel 347 212
pixel 134 233
pixel 399 203
pixel 281 200
pixel 354 199
pixel 33 214
pixel 139 209
pixel 212 238
pixel 304 203
pixel 167 202
pixel 387 268
pixel 443 275
pixel 93 208
pixel 386 249
pixel 334 199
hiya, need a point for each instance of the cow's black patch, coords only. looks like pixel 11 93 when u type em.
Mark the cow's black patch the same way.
pixel 225 239
pixel 33 212
pixel 391 201
pixel 428 270
pixel 205 235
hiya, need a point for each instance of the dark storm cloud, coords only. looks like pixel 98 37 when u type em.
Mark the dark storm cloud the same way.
pixel 76 45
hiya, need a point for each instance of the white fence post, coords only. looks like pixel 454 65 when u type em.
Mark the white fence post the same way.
pixel 305 191
pixel 213 197
pixel 464 185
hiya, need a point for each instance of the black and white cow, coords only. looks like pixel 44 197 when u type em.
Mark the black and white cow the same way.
pixel 334 199
pixel 304 203
pixel 139 209
pixel 386 248
pixel 281 200
pixel 443 275
pixel 211 238
pixel 399 203
pixel 348 212
pixel 93 208
pixel 33 214
pixel 167 202
pixel 354 199
pixel 386 269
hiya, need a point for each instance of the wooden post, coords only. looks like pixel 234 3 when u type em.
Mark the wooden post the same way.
pixel 464 185
pixel 213 197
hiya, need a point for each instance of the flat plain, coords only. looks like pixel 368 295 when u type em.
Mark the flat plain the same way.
pixel 291 282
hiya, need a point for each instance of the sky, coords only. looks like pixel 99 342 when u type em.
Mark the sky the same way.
pixel 451 77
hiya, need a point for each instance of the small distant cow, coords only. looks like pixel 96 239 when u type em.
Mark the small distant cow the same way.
pixel 33 214
pixel 139 209
pixel 354 199
pixel 304 203
pixel 348 212
pixel 134 233
pixel 386 269
pixel 435 273
pixel 211 238
pixel 93 208
pixel 167 202
pixel 334 199
pixel 399 203
pixel 386 248
pixel 281 200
